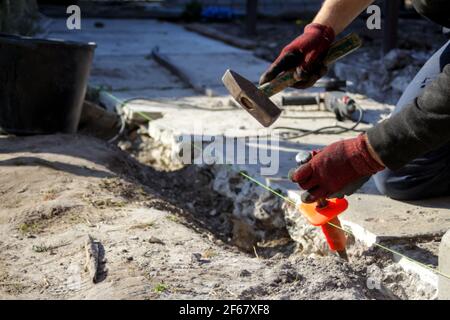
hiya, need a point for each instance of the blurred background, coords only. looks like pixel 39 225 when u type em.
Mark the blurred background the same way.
pixel 406 40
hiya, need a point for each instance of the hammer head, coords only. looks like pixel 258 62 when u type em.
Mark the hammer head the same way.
pixel 251 98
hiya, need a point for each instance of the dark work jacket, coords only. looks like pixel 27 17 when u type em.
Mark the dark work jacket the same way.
pixel 424 124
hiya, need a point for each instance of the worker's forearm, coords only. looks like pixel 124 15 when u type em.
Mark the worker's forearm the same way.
pixel 338 14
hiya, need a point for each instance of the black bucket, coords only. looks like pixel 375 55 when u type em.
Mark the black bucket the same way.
pixel 42 84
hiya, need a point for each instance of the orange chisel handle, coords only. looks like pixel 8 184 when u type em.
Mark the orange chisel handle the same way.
pixel 336 238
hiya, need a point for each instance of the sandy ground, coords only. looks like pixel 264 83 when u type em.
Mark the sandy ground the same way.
pixel 157 238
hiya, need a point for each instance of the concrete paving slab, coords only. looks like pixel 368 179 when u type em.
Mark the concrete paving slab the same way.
pixel 142 110
pixel 143 107
pixel 198 122
pixel 138 37
pixel 213 33
pixel 193 65
pixel 123 63
pixel 389 218
pixel 116 100
pixel 132 72
pixel 154 94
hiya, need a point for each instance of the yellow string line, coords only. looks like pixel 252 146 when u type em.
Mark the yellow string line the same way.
pixel 287 199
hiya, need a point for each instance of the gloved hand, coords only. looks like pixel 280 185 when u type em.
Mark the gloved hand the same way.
pixel 332 170
pixel 305 54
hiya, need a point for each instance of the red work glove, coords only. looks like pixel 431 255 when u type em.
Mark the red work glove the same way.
pixel 333 169
pixel 305 54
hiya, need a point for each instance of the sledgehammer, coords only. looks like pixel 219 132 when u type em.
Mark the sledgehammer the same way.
pixel 256 99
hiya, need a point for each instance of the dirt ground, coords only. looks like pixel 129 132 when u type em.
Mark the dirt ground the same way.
pixel 160 235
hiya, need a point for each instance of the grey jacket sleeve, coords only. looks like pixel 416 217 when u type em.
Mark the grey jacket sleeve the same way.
pixel 422 126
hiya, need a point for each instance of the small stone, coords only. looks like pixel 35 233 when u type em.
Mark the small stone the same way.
pixel 22 190
pixel 125 145
pixel 129 259
pixel 155 240
pixel 245 273
pixel 153 274
pixel 198 258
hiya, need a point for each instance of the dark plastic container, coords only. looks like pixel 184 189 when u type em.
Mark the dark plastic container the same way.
pixel 42 84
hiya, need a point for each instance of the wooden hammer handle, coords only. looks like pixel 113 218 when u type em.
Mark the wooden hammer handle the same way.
pixel 338 50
